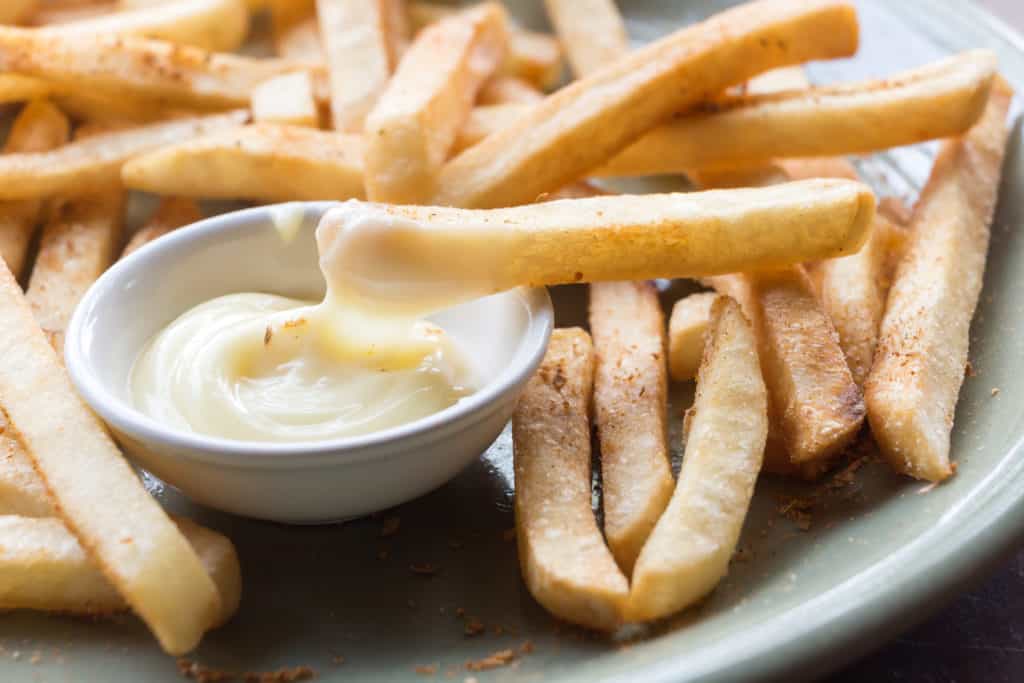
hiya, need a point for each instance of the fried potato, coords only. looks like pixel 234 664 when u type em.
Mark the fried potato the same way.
pixel 689 550
pixel 137 68
pixel 919 366
pixel 592 32
pixel 534 57
pixel 687 329
pixel 630 411
pixel 14 11
pixel 598 116
pixel 563 558
pixel 287 99
pixel 934 101
pixel 93 164
pixel 15 88
pixel 22 492
pixel 43 567
pixel 173 213
pixel 414 123
pixel 39 127
pixel 104 505
pixel 361 46
pixel 78 244
pixel 482 121
pixel 216 25
pixel 508 90
pixel 52 14
pixel 264 162
pixel 295 32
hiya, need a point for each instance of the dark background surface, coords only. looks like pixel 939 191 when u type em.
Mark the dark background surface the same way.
pixel 979 637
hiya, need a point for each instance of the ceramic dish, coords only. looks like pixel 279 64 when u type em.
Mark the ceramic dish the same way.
pixel 877 556
pixel 505 335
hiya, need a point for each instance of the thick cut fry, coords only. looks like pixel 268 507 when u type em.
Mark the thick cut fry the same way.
pixel 14 11
pixel 483 121
pixel 286 99
pixel 295 31
pixel 15 88
pixel 592 32
pixel 630 410
pixel 209 24
pixel 43 567
pixel 919 367
pixel 361 47
pixel 39 127
pixel 508 90
pixel 78 244
pixel 261 162
pixel 534 57
pixel 816 408
pixel 687 329
pixel 563 558
pixel 173 213
pixel 104 505
pixel 137 68
pixel 91 165
pixel 600 239
pixel 689 550
pixel 52 14
pixel 598 116
pixel 934 101
pixel 22 492
pixel 412 127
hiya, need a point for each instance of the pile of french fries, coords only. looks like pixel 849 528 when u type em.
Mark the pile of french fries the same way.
pixel 820 314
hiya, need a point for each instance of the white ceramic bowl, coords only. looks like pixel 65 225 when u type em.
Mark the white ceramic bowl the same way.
pixel 505 334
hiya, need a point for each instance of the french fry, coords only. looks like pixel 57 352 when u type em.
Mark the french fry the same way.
pixel 78 244
pixel 361 46
pixel 895 210
pixel 104 505
pixel 15 88
pixel 50 14
pixel 563 558
pixel 534 57
pixel 216 25
pixel 13 11
pixel 91 165
pixel 264 162
pixel 43 568
pixel 601 238
pixel 482 121
pixel 689 550
pixel 103 108
pixel 173 213
pixel 39 127
pixel 287 99
pixel 592 32
pixel 934 101
pixel 508 90
pixel 295 31
pixel 687 329
pixel 630 411
pixel 22 492
pixel 598 116
pixel 919 366
pixel 414 123
pixel 138 68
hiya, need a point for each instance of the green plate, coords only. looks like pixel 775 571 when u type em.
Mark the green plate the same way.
pixel 880 553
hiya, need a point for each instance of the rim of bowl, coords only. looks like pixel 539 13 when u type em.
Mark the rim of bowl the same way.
pixel 124 417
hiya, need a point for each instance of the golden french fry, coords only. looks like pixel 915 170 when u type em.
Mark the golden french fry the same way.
pixel 52 14
pixel 262 162
pixel 592 32
pixel 598 116
pixel 287 99
pixel 90 165
pixel 414 123
pixel 934 101
pixel 107 109
pixel 14 11
pixel 534 57
pixel 508 90
pixel 104 505
pixel 173 213
pixel 482 121
pixel 630 411
pixel 16 88
pixel 563 558
pixel 22 492
pixel 919 367
pixel 78 244
pixel 43 567
pixel 208 24
pixel 687 329
pixel 39 127
pixel 295 31
pixel 361 47
pixel 137 68
pixel 689 550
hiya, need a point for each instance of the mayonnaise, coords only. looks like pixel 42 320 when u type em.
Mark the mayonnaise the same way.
pixel 259 367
